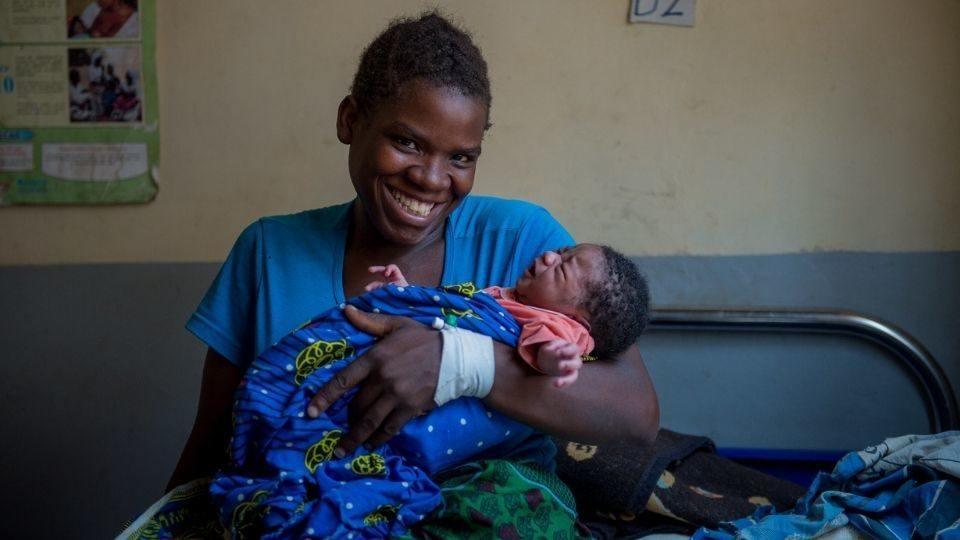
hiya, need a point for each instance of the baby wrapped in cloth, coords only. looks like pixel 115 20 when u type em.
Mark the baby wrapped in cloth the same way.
pixel 283 479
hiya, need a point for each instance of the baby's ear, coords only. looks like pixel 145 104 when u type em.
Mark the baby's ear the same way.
pixel 577 317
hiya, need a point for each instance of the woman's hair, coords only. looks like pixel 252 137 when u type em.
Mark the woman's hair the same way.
pixel 617 304
pixel 429 48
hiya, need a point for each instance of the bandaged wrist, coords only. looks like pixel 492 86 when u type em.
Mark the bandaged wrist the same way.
pixel 466 365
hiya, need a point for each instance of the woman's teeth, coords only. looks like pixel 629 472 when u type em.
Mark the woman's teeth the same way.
pixel 413 206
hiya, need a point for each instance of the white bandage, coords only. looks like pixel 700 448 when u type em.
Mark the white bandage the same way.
pixel 466 365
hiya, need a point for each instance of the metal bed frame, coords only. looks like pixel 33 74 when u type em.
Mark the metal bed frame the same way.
pixel 941 404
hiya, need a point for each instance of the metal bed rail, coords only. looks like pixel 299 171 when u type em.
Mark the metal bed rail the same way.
pixel 938 395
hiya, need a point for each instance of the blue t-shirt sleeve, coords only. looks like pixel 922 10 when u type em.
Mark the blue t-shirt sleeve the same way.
pixel 540 232
pixel 226 316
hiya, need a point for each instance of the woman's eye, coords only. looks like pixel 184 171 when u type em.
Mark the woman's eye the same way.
pixel 406 143
pixel 462 159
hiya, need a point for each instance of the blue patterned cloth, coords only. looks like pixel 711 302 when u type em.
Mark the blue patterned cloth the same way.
pixel 284 481
pixel 904 488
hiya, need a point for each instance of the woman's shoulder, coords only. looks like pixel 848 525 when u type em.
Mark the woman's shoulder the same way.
pixel 326 218
pixel 484 213
pixel 319 224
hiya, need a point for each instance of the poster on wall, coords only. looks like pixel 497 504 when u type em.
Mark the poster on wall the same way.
pixel 78 102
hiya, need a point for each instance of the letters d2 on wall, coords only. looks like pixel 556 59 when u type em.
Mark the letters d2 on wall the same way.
pixel 675 12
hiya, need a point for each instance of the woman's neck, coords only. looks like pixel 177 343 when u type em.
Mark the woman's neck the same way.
pixel 422 263
pixel 365 240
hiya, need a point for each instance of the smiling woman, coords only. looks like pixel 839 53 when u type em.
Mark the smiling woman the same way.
pixel 414 122
pixel 412 160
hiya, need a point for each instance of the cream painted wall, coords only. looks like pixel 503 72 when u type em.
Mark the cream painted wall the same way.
pixel 771 126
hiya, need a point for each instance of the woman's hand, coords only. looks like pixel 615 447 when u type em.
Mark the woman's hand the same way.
pixel 397 378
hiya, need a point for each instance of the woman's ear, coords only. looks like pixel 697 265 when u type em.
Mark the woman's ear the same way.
pixel 347 116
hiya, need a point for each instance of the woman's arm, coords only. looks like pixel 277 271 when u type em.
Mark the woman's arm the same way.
pixel 398 378
pixel 205 448
pixel 611 400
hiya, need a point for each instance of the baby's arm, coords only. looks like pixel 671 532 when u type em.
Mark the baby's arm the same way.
pixel 561 359
pixel 390 273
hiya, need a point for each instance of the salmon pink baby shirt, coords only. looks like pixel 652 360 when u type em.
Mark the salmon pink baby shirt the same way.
pixel 540 326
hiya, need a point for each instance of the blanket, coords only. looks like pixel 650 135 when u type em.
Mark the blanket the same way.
pixel 903 488
pixel 672 486
pixel 283 479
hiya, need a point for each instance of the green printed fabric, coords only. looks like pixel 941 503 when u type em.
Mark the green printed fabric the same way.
pixel 501 499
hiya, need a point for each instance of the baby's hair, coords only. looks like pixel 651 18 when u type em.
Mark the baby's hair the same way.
pixel 430 48
pixel 618 305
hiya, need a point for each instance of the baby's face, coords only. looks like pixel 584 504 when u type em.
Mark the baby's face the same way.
pixel 558 280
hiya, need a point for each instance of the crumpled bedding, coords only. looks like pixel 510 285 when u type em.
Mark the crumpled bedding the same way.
pixel 903 488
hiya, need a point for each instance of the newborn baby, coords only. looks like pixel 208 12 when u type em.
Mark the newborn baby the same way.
pixel 571 302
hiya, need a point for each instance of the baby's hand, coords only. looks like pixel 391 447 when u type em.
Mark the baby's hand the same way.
pixel 390 273
pixel 561 359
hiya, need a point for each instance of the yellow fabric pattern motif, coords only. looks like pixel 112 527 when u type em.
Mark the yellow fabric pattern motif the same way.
pixel 708 494
pixel 459 313
pixel 369 465
pixel 321 450
pixel 655 505
pixel 666 480
pixel 580 452
pixel 467 288
pixel 247 515
pixel 385 513
pixel 319 354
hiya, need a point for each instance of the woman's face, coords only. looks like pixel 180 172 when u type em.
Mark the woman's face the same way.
pixel 413 158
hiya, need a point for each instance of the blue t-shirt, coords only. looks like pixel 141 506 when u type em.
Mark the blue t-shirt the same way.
pixel 283 270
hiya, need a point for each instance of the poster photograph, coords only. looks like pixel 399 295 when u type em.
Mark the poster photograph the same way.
pixel 96 19
pixel 105 84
